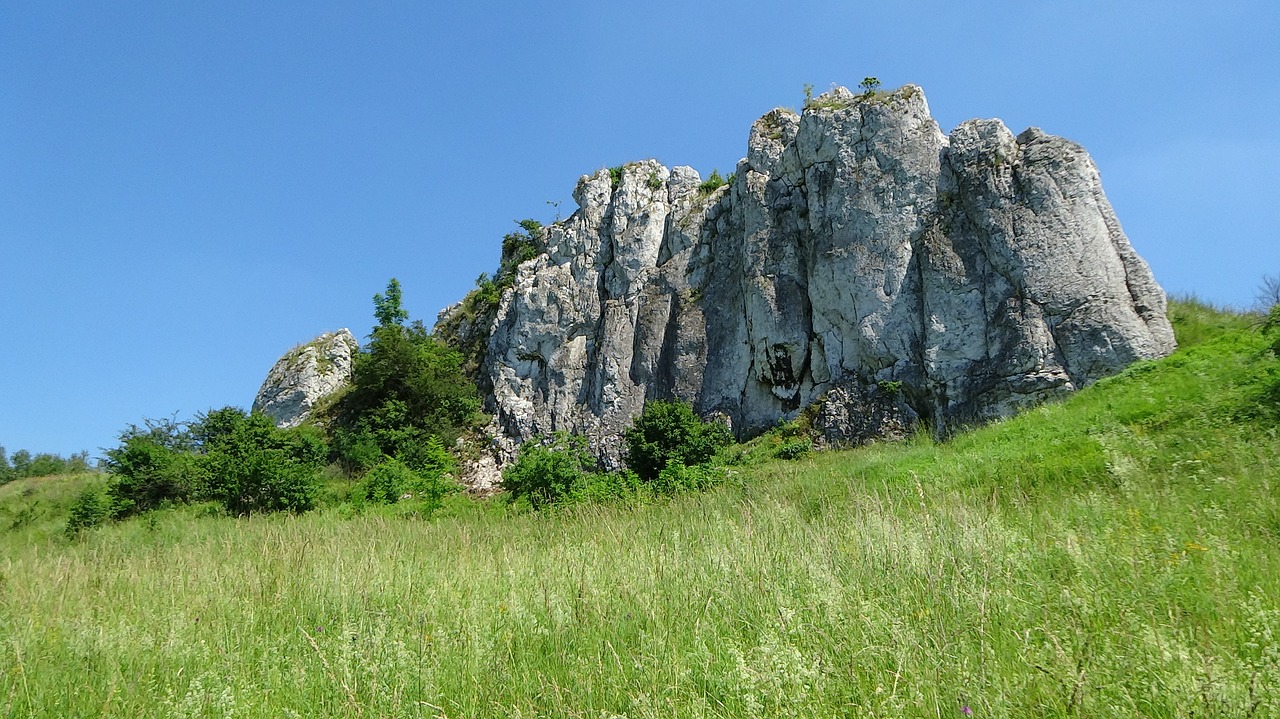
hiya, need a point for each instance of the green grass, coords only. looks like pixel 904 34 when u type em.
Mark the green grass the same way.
pixel 1114 554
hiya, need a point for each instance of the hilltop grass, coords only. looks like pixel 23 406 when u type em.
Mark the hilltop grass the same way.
pixel 1110 555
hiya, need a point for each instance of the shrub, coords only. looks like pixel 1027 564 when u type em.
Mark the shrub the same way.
pixel 794 450
pixel 670 431
pixel 714 182
pixel 239 460
pixel 407 386
pixel 549 469
pixel 391 481
pixel 677 477
pixel 252 466
pixel 153 466
pixel 89 509
pixel 1271 327
pixel 388 481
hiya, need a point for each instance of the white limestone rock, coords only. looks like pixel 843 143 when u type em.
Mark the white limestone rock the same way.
pixel 304 376
pixel 857 245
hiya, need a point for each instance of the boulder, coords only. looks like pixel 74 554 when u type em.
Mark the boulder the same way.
pixel 305 376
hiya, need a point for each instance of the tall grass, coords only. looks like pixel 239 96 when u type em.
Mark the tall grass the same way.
pixel 1110 555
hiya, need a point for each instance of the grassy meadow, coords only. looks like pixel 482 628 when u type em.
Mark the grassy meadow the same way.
pixel 1115 554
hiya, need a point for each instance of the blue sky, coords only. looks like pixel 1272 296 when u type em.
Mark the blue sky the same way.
pixel 189 189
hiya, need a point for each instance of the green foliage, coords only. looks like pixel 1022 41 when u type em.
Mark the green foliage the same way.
pixel 794 449
pixel 89 509
pixel 677 477
pixel 393 482
pixel 251 466
pixel 869 85
pixel 654 182
pixel 25 464
pixel 548 470
pixel 671 431
pixel 388 309
pixel 714 182
pixel 388 481
pixel 615 176
pixel 154 465
pixel 1271 327
pixel 407 387
pixel 808 94
pixel 241 461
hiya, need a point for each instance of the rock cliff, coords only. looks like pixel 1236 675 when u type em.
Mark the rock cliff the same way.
pixel 924 277
pixel 304 376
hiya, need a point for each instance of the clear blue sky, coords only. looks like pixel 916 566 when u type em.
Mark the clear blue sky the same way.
pixel 189 189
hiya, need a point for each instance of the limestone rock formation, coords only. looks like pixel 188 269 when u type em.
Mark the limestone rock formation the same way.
pixel 304 376
pixel 857 245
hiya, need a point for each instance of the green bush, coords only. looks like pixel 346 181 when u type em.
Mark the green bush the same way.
pixel 252 466
pixel 242 461
pixel 407 387
pixel 794 449
pixel 89 509
pixel 153 466
pixel 549 469
pixel 388 481
pixel 677 477
pixel 714 182
pixel 392 481
pixel 671 431
pixel 1271 327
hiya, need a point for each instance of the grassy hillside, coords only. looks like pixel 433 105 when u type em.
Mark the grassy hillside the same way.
pixel 1117 554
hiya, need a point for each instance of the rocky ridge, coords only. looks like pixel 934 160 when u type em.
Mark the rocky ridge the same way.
pixel 859 256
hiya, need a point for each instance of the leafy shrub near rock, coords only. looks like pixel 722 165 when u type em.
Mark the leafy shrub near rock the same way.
pixel 249 465
pixel 407 388
pixel 551 469
pixel 677 477
pixel 154 465
pixel 794 449
pixel 668 432
pixel 392 481
pixel 715 182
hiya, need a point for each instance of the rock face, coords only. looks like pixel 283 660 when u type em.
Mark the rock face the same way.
pixel 305 375
pixel 857 247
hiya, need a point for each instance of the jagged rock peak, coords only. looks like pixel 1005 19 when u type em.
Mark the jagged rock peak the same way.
pixel 857 246
pixel 304 376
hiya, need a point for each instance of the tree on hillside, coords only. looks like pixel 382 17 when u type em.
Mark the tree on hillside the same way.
pixel 387 308
pixel 407 387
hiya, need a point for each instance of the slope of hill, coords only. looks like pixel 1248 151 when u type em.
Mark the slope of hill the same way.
pixel 1110 555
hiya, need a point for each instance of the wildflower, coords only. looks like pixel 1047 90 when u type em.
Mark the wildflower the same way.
pixel 965 710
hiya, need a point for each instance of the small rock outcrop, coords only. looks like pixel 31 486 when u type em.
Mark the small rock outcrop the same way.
pixel 856 248
pixel 304 376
